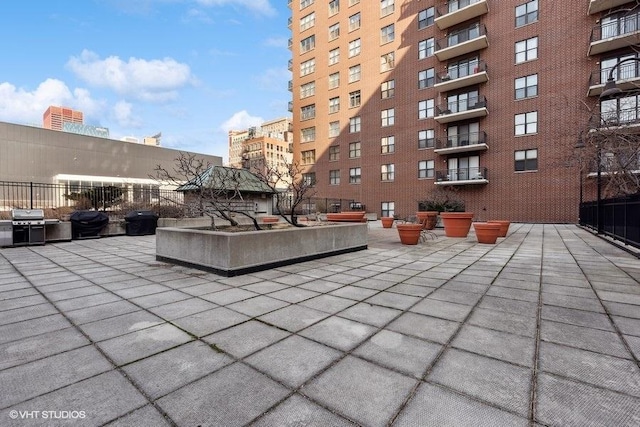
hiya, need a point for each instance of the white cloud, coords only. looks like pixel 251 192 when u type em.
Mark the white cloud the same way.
pixel 123 114
pixel 241 121
pixel 274 79
pixel 281 42
pixel 148 80
pixel 262 7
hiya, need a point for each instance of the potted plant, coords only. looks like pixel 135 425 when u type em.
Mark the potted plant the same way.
pixel 387 221
pixel 487 232
pixel 444 201
pixel 409 233
pixel 504 226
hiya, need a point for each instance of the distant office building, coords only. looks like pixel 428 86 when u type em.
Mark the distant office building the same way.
pixel 55 117
pixel 82 129
pixel 152 140
pixel 257 146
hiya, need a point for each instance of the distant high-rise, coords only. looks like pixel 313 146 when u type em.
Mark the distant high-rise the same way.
pixel 55 117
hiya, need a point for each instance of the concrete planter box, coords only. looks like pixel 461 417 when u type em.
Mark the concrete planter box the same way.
pixel 232 254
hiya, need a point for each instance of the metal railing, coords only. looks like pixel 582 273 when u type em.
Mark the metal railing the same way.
pixel 620 218
pixel 462 174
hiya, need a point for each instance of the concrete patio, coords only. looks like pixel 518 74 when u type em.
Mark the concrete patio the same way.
pixel 542 328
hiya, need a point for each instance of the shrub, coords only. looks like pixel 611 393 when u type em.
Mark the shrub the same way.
pixel 442 200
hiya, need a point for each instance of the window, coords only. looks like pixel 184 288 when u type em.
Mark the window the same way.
pixel 354 150
pixel 307 44
pixel 354 73
pixel 354 48
pixel 334 129
pixel 387 61
pixel 388 117
pixel 628 70
pixel 387 89
pixel 354 99
pixel 388 208
pixel 353 2
pixel 527 50
pixel 426 48
pixel 307 90
pixel 426 169
pixel 354 124
pixel 526 13
pixel 354 22
pixel 334 105
pixel 334 7
pixel 426 108
pixel 387 7
pixel 334 31
pixel 526 87
pixel 426 17
pixel 334 56
pixel 307 21
pixel 305 3
pixel 308 134
pixel 465 134
pixel 526 123
pixel 334 80
pixel 617 111
pixel 387 34
pixel 309 179
pixel 462 101
pixel 526 160
pixel 386 172
pixel 426 138
pixel 426 78
pixel 388 144
pixel 308 157
pixel 355 175
pixel 334 177
pixel 308 112
pixel 307 67
pixel 334 153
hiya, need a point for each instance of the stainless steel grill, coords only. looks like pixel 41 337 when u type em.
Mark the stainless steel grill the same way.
pixel 28 226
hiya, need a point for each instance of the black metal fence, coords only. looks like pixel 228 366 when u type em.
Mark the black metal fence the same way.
pixel 619 218
pixel 313 205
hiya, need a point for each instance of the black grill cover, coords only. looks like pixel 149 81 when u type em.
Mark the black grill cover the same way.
pixel 87 223
pixel 140 223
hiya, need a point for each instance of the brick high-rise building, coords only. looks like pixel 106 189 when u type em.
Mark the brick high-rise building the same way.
pixel 54 117
pixel 394 99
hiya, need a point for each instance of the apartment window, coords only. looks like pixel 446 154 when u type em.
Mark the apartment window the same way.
pixel 354 150
pixel 354 48
pixel 309 179
pixel 526 13
pixel 334 153
pixel 426 138
pixel 308 157
pixel 307 90
pixel 388 117
pixel 426 48
pixel 387 172
pixel 426 169
pixel 526 160
pixel 465 134
pixel 354 22
pixel 334 129
pixel 426 17
pixel 308 134
pixel 353 2
pixel 426 109
pixel 388 208
pixel 334 104
pixel 354 99
pixel 307 44
pixel 527 86
pixel 426 78
pixel 354 73
pixel 308 112
pixel 334 80
pixel 334 177
pixel 355 175
pixel 387 89
pixel 462 101
pixel 334 31
pixel 354 124
pixel 334 7
pixel 526 123
pixel 462 68
pixel 307 67
pixel 388 144
pixel 305 3
pixel 307 21
pixel 387 34
pixel 387 61
pixel 334 56
pixel 387 7
pixel 527 50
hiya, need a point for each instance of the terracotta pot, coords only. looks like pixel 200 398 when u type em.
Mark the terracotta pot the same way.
pixel 487 232
pixel 504 227
pixel 456 224
pixel 409 233
pixel 431 219
pixel 387 221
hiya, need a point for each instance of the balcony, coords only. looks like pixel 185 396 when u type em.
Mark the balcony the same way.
pixel 290 106
pixel 470 142
pixel 462 42
pixel 290 65
pixel 627 77
pixel 290 86
pixel 459 77
pixel 596 6
pixel 462 110
pixel 457 11
pixel 462 176
pixel 614 34
pixel 619 120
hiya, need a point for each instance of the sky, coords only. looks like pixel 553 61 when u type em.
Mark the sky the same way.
pixel 190 69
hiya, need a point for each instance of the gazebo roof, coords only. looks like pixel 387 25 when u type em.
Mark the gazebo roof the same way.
pixel 226 178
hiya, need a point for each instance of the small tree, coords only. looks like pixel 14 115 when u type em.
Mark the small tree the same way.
pixel 442 200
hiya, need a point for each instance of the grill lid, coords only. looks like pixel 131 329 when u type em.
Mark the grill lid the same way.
pixel 27 214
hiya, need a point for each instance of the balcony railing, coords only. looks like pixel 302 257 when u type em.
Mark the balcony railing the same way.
pixel 462 110
pixel 462 75
pixel 475 141
pixel 627 77
pixel 615 34
pixel 462 176
pixel 617 118
pixel 457 11
pixel 461 42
